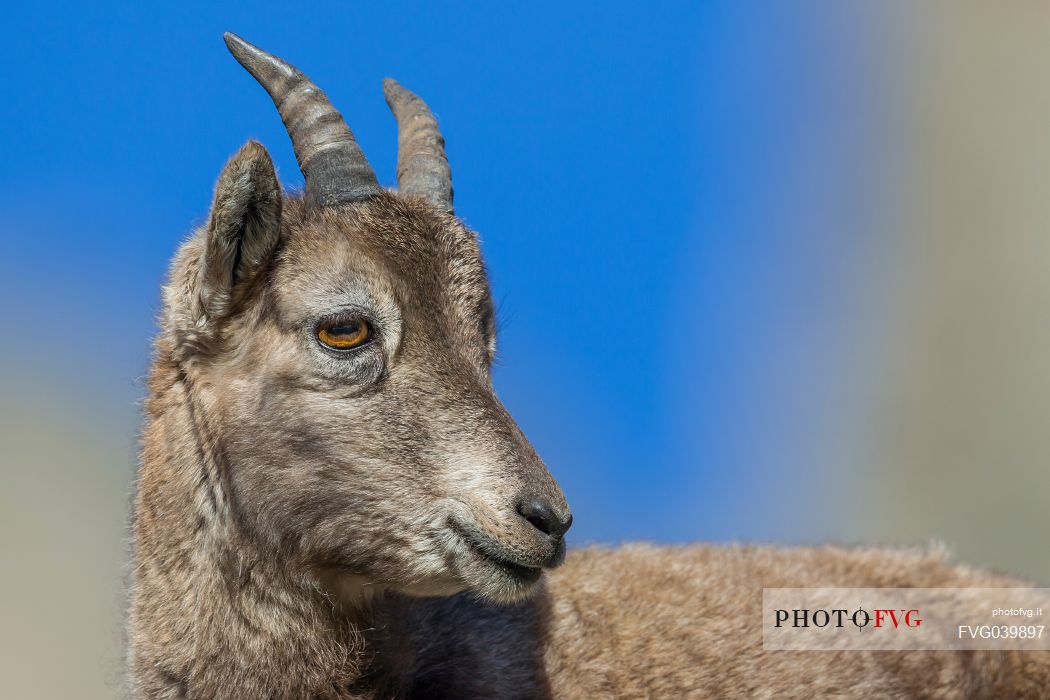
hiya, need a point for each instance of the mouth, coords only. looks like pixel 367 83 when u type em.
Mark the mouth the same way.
pixel 488 552
pixel 527 574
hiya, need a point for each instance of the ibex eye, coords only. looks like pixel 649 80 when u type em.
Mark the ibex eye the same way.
pixel 344 334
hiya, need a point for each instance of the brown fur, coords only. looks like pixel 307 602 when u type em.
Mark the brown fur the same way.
pixel 312 526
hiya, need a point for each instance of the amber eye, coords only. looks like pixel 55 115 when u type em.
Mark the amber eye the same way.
pixel 344 334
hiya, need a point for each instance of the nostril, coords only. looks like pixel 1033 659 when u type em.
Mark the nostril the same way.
pixel 539 512
pixel 539 518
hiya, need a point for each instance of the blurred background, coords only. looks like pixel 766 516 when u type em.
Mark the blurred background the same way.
pixel 775 272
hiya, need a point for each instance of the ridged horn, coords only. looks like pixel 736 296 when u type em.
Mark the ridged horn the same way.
pixel 422 167
pixel 335 168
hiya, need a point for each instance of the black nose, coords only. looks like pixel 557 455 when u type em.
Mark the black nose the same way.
pixel 538 511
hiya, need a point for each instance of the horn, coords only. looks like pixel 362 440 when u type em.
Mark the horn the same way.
pixel 422 167
pixel 335 168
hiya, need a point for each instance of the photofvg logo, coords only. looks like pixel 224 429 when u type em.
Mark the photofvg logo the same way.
pixel 837 619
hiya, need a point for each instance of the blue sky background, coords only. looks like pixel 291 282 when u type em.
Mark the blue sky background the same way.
pixel 672 202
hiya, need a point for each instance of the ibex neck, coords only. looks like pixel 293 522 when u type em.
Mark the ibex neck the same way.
pixel 213 616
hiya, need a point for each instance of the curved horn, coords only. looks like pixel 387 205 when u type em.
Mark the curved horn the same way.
pixel 335 169
pixel 422 167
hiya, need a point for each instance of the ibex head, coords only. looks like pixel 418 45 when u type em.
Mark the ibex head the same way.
pixel 338 349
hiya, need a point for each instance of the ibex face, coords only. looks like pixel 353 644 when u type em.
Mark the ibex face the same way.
pixel 338 348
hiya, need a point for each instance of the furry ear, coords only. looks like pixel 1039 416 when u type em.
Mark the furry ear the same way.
pixel 216 267
pixel 242 231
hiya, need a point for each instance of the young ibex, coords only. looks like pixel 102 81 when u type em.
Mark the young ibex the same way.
pixel 333 503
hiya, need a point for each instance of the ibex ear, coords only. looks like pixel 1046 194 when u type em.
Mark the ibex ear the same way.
pixel 242 231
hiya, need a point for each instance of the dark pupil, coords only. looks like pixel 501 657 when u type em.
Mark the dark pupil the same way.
pixel 346 329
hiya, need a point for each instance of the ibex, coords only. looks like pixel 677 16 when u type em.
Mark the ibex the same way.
pixel 333 503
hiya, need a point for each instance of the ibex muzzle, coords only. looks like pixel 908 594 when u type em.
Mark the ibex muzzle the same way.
pixel 334 351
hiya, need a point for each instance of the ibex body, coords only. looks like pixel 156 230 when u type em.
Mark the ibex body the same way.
pixel 333 503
